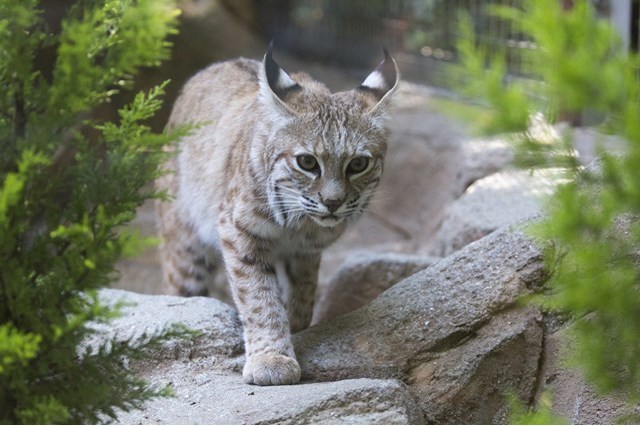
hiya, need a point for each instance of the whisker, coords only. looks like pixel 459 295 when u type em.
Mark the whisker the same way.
pixel 290 190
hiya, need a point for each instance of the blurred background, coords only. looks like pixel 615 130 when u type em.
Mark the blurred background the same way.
pixel 339 41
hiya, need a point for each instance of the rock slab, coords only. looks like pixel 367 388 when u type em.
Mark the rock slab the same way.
pixel 361 278
pixel 204 396
pixel 204 373
pixel 430 311
pixel 442 345
pixel 453 332
pixel 572 397
pixel 493 202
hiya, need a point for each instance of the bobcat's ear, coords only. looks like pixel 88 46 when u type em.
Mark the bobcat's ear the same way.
pixel 276 85
pixel 382 82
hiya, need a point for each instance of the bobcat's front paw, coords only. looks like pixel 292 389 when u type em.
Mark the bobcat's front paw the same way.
pixel 271 369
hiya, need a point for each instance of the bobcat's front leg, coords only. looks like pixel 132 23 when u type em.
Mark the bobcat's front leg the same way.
pixel 302 271
pixel 253 279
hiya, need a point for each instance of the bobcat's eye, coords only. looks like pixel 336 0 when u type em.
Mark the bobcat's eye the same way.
pixel 357 165
pixel 308 162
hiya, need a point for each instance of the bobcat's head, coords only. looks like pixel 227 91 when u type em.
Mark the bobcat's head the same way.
pixel 325 151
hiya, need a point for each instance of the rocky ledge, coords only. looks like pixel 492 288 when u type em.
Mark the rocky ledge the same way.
pixel 442 345
pixel 425 326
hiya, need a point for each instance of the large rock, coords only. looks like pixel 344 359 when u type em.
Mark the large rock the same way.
pixel 572 396
pixel 493 202
pixel 492 196
pixel 205 374
pixel 204 396
pixel 435 308
pixel 219 342
pixel 590 143
pixel 453 332
pixel 467 384
pixel 442 345
pixel 481 158
pixel 361 278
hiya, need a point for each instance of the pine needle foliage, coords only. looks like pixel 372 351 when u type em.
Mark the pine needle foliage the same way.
pixel 592 221
pixel 68 184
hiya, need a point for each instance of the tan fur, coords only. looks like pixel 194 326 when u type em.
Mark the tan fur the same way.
pixel 240 193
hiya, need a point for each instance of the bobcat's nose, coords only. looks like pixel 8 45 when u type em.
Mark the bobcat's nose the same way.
pixel 333 204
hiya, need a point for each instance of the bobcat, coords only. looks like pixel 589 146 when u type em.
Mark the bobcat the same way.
pixel 278 170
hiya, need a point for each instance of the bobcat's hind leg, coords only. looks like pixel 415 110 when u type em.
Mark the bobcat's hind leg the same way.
pixel 188 266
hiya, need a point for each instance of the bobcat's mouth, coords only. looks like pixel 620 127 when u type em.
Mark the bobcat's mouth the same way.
pixel 327 221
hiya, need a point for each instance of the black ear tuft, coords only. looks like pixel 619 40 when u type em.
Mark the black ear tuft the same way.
pixel 383 79
pixel 271 67
pixel 279 81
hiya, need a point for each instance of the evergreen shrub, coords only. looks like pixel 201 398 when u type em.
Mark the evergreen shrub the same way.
pixel 68 185
pixel 592 221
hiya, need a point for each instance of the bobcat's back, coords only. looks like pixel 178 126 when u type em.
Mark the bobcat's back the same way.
pixel 208 94
pixel 219 99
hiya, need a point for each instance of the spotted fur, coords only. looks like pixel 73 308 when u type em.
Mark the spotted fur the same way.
pixel 277 172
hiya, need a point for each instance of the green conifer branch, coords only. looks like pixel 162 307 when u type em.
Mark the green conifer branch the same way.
pixel 593 220
pixel 64 198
